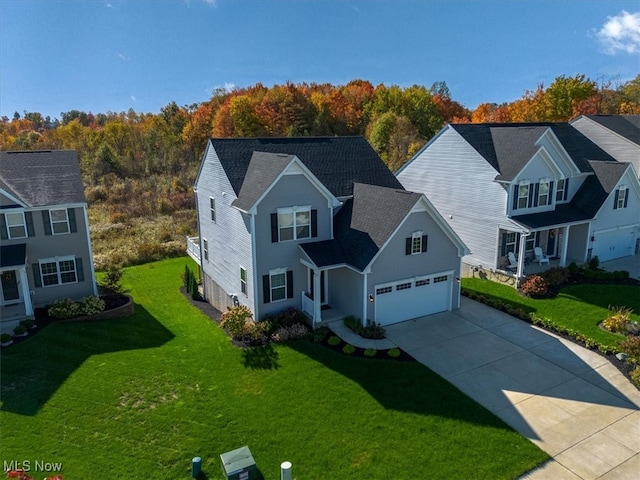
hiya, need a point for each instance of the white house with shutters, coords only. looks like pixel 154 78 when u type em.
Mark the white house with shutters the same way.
pixel 509 188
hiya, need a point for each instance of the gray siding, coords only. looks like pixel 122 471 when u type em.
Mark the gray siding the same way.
pixel 41 246
pixel 577 246
pixel 289 191
pixel 460 184
pixel 229 238
pixel 615 145
pixel 345 291
pixel 393 264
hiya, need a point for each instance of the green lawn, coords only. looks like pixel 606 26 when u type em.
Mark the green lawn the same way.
pixel 140 397
pixel 577 307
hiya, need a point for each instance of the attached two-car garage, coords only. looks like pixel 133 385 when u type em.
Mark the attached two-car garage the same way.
pixel 413 297
pixel 612 244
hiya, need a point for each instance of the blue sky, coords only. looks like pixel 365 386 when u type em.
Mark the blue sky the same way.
pixel 112 55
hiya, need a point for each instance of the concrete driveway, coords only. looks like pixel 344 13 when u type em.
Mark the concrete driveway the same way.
pixel 568 400
pixel 630 264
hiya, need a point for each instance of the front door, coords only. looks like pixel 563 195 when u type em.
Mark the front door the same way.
pixel 10 291
pixel 551 242
pixel 311 275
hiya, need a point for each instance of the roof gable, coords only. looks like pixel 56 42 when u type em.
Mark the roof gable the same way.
pixel 337 162
pixel 627 126
pixel 41 178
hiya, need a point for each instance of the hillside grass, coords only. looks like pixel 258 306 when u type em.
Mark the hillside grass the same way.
pixel 140 397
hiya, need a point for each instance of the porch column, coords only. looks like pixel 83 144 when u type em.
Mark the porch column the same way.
pixel 26 292
pixel 564 244
pixel 523 243
pixel 317 297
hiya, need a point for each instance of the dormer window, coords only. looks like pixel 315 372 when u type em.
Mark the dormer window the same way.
pixel 523 194
pixel 562 190
pixel 544 197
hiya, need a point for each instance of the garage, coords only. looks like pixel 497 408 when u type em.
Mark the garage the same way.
pixel 612 244
pixel 413 297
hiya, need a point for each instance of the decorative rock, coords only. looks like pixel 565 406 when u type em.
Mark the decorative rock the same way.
pixel 621 356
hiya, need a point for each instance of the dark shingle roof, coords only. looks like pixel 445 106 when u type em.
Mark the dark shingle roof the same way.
pixel 627 126
pixel 41 178
pixel 363 225
pixel 337 162
pixel 507 147
pixel 263 169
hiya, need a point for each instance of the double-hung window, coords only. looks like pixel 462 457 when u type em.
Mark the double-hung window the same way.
pixel 294 223
pixel 58 271
pixel 510 243
pixel 561 189
pixel 278 285
pixel 16 225
pixel 59 221
pixel 212 208
pixel 523 195
pixel 621 197
pixel 544 197
pixel 243 280
pixel 205 249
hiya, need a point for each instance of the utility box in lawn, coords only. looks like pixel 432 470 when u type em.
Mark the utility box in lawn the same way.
pixel 238 464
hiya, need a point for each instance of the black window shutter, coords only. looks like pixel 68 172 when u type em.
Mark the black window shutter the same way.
pixel 266 289
pixel 79 271
pixel 28 217
pixel 73 227
pixel 503 246
pixel 407 246
pixel 424 243
pixel 289 283
pixel 550 193
pixel 36 274
pixel 4 235
pixel 314 223
pixel 537 244
pixel 626 197
pixel 566 189
pixel 535 195
pixel 515 197
pixel 615 200
pixel 274 227
pixel 46 220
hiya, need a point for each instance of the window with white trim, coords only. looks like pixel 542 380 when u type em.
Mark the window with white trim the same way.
pixel 403 286
pixel 294 223
pixel 544 197
pixel 560 189
pixel 16 225
pixel 511 242
pixel 212 208
pixel 416 243
pixel 440 279
pixel 59 221
pixel 621 197
pixel 205 249
pixel 278 284
pixel 58 271
pixel 383 290
pixel 523 195
pixel 423 282
pixel 243 280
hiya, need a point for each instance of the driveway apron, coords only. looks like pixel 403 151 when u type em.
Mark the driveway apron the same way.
pixel 566 399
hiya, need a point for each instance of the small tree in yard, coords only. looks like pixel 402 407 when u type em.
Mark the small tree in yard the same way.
pixel 112 280
pixel 235 321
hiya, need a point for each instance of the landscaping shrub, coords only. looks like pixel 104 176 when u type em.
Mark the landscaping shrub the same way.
pixel 394 352
pixel 285 318
pixel 320 334
pixel 334 340
pixel 19 330
pixel 112 280
pixel 594 263
pixel 573 268
pixel 292 332
pixel 618 319
pixel 631 346
pixel 235 320
pixel 5 338
pixel 348 349
pixel 91 305
pixel 190 283
pixel 64 309
pixel 556 276
pixel 27 323
pixel 635 376
pixel 535 286
pixel 370 352
pixel 372 331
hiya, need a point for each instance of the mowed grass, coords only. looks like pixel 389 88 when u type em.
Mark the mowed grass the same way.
pixel 140 397
pixel 577 307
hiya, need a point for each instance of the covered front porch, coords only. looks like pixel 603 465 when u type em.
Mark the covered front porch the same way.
pixel 15 294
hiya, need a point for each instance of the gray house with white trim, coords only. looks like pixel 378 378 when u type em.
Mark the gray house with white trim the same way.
pixel 508 188
pixel 322 225
pixel 45 248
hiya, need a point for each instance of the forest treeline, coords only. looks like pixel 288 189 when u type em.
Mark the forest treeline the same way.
pixel 139 168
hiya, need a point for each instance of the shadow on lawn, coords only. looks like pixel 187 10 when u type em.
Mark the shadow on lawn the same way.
pixel 402 386
pixel 35 369
pixel 261 358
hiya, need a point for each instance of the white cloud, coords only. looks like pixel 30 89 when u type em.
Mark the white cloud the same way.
pixel 621 33
pixel 123 57
pixel 133 98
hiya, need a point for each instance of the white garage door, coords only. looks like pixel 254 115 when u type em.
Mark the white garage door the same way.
pixel 613 244
pixel 412 297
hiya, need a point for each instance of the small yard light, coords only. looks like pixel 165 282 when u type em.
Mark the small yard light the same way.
pixel 196 467
pixel 285 471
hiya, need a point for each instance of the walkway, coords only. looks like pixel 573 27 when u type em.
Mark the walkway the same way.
pixel 345 333
pixel 568 400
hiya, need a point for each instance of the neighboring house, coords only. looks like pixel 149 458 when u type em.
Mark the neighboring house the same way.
pixel 513 187
pixel 618 135
pixel 45 249
pixel 322 225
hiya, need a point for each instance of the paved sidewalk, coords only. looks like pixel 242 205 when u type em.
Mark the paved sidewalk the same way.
pixel 345 333
pixel 566 399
